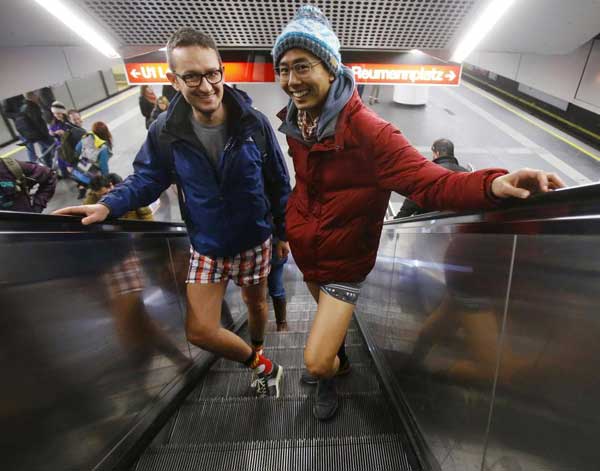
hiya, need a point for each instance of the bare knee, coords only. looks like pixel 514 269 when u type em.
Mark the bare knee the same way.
pixel 255 298
pixel 318 365
pixel 201 334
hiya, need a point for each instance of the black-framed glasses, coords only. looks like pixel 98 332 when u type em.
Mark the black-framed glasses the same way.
pixel 301 69
pixel 193 80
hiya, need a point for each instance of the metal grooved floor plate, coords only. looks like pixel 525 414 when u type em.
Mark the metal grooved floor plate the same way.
pixel 222 426
pixel 373 453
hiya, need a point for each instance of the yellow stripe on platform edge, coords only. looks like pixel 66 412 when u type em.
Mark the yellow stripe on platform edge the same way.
pixel 530 121
pixel 120 98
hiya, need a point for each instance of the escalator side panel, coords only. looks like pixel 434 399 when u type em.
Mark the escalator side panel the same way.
pixel 92 335
pixel 425 294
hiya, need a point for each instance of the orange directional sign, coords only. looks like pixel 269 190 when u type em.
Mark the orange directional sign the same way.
pixel 140 72
pixel 413 74
pixel 379 67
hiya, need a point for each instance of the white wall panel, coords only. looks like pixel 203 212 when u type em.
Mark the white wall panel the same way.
pixel 84 60
pixel 86 91
pixel 556 75
pixel 501 63
pixel 589 90
pixel 30 68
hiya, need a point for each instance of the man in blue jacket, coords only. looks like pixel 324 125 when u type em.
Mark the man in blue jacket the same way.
pixel 233 178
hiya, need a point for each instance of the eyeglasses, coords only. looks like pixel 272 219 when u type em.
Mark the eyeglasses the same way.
pixel 301 69
pixel 195 80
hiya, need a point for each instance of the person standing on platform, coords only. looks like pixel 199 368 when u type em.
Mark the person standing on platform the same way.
pixel 162 103
pixel 32 128
pixel 443 154
pixel 147 101
pixel 347 161
pixel 234 183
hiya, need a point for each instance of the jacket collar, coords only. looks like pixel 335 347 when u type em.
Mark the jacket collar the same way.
pixel 241 121
pixel 336 141
pixel 446 159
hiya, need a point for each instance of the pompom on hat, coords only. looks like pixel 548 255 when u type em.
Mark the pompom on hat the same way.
pixel 310 30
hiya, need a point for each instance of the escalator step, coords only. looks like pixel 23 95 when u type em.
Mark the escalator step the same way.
pixel 302 326
pixel 354 453
pixel 293 358
pixel 298 339
pixel 250 419
pixel 237 384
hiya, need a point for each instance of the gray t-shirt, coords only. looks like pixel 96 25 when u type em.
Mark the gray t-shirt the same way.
pixel 212 138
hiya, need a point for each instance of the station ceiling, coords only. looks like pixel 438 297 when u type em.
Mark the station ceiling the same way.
pixel 536 26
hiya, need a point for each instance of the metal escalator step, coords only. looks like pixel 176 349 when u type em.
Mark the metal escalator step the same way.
pixel 230 384
pixel 293 358
pixel 298 339
pixel 354 453
pixel 302 326
pixel 250 419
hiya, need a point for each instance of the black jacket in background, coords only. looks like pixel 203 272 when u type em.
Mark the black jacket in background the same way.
pixel 30 123
pixel 410 208
pixel 146 107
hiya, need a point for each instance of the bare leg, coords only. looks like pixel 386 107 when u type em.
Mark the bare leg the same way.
pixel 326 335
pixel 203 322
pixel 255 297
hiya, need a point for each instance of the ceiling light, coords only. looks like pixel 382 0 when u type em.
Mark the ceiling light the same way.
pixel 482 26
pixel 78 25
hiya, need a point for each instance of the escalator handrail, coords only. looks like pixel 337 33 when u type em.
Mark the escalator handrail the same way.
pixel 12 221
pixel 572 202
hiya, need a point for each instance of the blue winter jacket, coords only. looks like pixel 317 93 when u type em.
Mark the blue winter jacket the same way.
pixel 227 207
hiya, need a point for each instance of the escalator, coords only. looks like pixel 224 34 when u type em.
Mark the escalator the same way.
pixel 222 427
pixel 449 371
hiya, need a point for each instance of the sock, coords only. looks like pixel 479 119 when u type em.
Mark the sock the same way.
pixel 264 365
pixel 257 346
pixel 342 352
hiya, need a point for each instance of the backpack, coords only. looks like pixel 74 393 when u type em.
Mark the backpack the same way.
pixel 68 142
pixel 9 188
pixel 89 151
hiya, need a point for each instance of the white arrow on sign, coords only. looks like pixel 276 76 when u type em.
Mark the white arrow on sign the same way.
pixel 450 75
pixel 135 73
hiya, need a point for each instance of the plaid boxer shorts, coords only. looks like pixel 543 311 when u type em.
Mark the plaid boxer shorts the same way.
pixel 125 277
pixel 245 269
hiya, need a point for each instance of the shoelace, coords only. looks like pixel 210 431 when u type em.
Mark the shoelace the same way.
pixel 261 386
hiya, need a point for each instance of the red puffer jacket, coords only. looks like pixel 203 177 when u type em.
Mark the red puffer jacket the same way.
pixel 335 213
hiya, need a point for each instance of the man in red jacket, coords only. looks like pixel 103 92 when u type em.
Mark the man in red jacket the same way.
pixel 347 161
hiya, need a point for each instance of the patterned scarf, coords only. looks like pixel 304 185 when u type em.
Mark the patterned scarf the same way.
pixel 307 126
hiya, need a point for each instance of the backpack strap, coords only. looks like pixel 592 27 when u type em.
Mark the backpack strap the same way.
pixel 14 168
pixel 166 152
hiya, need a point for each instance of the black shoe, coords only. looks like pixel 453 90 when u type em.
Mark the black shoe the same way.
pixel 307 378
pixel 269 385
pixel 82 192
pixel 327 399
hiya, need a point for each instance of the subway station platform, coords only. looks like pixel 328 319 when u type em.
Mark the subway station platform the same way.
pixel 486 131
